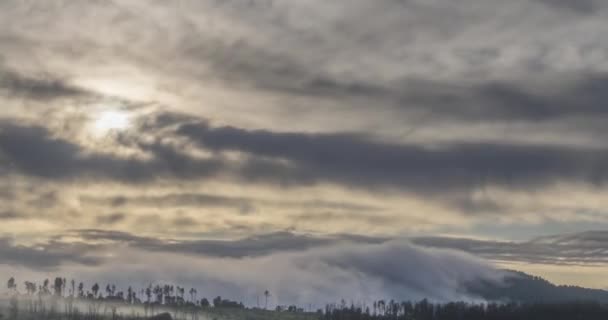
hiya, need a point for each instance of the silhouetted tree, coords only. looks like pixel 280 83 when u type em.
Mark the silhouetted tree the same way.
pixel 45 287
pixel 30 288
pixel 58 286
pixel 130 295
pixel 266 296
pixel 81 290
pixel 149 293
pixel 11 284
pixel 217 302
pixel 95 290
pixel 73 288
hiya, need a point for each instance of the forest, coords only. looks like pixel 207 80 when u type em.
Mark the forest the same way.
pixel 70 300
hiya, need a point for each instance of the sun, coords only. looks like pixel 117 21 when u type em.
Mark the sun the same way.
pixel 111 120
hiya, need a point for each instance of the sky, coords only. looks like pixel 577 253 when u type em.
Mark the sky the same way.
pixel 317 149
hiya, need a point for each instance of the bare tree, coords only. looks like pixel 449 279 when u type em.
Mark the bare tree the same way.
pixel 11 284
pixel 95 289
pixel 81 290
pixel 59 285
pixel 266 296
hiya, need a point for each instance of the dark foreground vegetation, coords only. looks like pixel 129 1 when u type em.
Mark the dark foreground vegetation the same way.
pixel 63 300
pixel 424 310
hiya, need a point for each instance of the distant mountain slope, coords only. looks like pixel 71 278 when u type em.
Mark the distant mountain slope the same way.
pixel 522 287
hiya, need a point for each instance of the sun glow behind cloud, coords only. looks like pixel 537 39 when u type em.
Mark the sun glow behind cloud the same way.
pixel 110 120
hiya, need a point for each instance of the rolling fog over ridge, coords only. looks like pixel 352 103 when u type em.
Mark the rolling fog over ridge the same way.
pixel 299 269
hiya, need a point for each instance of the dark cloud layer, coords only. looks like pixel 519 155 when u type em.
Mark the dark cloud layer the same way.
pixel 356 161
pixel 33 150
pixel 244 205
pixel 260 245
pixel 47 256
pixel 583 6
pixel 87 251
pixel 586 248
pixel 14 84
pixel 348 159
pixel 493 101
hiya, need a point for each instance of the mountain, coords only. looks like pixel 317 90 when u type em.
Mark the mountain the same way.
pixel 521 287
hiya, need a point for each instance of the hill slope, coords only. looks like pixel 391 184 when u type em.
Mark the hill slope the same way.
pixel 522 287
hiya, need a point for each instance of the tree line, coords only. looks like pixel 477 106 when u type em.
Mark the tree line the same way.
pixel 186 302
pixel 63 299
pixel 425 310
pixel 165 295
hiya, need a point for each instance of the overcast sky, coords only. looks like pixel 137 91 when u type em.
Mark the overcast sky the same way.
pixel 326 137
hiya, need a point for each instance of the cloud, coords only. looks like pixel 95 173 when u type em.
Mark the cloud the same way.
pixel 585 248
pixel 46 256
pixel 254 246
pixel 34 151
pixel 8 215
pixel 401 265
pixel 301 268
pixel 355 161
pixel 111 219
pixel 575 94
pixel 316 272
pixel 14 84
pixel 585 6
pixel 244 205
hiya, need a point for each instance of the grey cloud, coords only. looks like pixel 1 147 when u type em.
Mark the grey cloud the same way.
pixel 586 248
pixel 320 216
pixel 254 246
pixel 111 219
pixel 285 67
pixel 184 221
pixel 298 271
pixel 244 205
pixel 299 73
pixel 583 6
pixel 98 234
pixel 352 271
pixel 248 247
pixel 46 256
pixel 343 158
pixel 9 215
pixel 14 84
pixel 356 161
pixel 34 151
pixel 179 200
pixel 491 101
pixel 574 94
pixel 400 267
pixel 56 251
pixel 45 200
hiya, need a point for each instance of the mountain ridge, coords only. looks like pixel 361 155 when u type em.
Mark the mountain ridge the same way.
pixel 521 287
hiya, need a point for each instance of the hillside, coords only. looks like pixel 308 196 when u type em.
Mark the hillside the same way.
pixel 522 287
